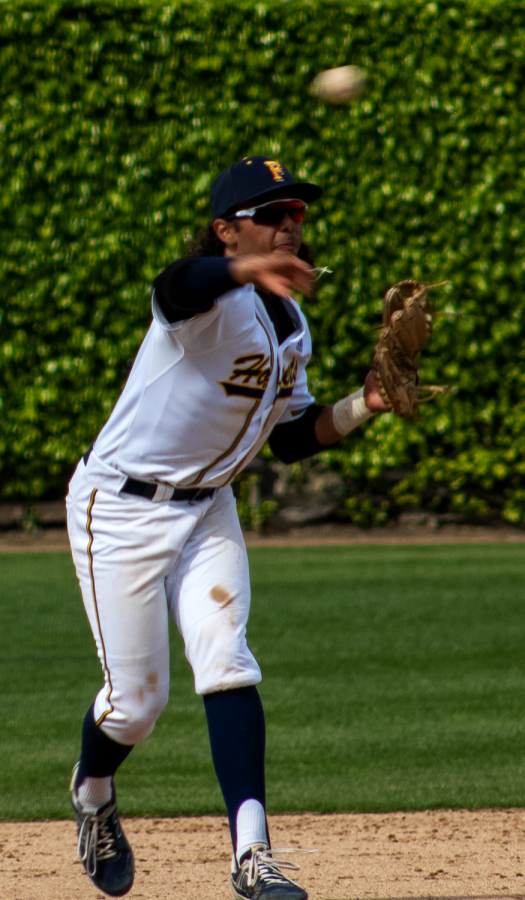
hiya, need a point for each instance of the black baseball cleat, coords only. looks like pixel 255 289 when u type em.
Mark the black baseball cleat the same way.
pixel 102 845
pixel 259 877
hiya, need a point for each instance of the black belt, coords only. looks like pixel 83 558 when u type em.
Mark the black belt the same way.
pixel 145 489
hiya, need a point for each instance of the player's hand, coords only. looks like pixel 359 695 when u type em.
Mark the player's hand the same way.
pixel 373 398
pixel 279 272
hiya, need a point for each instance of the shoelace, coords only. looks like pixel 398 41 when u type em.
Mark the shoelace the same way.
pixel 263 863
pixel 96 838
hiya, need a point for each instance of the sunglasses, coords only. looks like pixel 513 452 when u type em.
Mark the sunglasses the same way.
pixel 273 213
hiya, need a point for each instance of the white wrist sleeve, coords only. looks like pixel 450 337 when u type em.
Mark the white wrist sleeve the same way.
pixel 350 412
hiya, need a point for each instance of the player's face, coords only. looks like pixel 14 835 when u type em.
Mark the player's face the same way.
pixel 261 237
pixel 264 232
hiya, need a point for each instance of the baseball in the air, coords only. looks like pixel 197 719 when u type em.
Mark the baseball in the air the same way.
pixel 340 85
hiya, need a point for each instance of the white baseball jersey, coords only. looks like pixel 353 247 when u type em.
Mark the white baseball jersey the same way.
pixel 204 394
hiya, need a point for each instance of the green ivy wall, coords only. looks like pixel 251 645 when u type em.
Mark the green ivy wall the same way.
pixel 114 118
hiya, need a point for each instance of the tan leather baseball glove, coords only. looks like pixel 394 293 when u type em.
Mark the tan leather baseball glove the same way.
pixel 407 323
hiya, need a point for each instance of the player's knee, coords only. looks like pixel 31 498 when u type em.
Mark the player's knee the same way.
pixel 219 655
pixel 134 717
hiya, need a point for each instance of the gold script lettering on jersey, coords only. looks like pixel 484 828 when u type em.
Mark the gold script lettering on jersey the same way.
pixel 287 379
pixel 254 367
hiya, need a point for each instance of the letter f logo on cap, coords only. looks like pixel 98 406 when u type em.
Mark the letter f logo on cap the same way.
pixel 276 169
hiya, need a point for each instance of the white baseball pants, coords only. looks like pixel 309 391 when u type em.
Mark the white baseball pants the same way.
pixel 139 561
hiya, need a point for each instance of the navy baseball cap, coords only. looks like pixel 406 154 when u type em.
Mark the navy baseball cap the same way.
pixel 252 179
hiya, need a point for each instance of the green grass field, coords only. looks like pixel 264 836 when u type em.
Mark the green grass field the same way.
pixel 394 679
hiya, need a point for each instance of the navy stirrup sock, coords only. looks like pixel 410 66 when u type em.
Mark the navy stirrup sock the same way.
pixel 100 756
pixel 237 738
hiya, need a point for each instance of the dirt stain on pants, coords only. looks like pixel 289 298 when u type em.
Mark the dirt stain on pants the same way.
pixel 221 595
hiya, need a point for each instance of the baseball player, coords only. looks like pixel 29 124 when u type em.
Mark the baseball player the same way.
pixel 152 518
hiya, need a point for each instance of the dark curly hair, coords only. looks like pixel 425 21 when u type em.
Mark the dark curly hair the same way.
pixel 206 243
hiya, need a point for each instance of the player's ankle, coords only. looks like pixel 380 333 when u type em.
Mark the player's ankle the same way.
pixel 95 792
pixel 251 827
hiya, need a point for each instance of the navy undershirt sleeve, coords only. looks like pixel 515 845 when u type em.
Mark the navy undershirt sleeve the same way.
pixel 190 286
pixel 296 440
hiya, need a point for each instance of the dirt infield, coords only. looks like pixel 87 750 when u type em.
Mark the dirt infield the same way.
pixel 459 855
